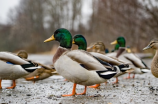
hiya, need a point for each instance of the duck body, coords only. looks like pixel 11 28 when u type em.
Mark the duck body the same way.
pixel 99 53
pixel 154 64
pixel 11 66
pixel 126 55
pixel 9 71
pixel 78 66
pixel 74 68
pixel 39 74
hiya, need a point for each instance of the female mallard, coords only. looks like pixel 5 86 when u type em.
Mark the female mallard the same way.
pixel 136 63
pixel 39 74
pixel 13 67
pixel 154 67
pixel 98 47
pixel 77 66
pixel 82 44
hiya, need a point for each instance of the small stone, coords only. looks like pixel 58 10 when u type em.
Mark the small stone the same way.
pixel 133 85
pixel 58 96
pixel 28 94
pixel 8 95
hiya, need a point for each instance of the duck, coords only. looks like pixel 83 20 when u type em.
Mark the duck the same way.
pixel 39 74
pixel 153 45
pixel 98 47
pixel 81 42
pixel 13 67
pixel 77 66
pixel 124 53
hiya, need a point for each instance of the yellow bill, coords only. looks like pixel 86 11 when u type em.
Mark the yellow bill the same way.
pixel 114 42
pixel 50 39
pixel 73 41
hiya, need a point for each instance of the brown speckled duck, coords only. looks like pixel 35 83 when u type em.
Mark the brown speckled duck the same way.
pixel 98 47
pixel 154 64
pixel 41 73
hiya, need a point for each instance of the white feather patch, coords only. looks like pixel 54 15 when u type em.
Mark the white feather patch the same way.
pixel 107 73
pixel 146 70
pixel 34 67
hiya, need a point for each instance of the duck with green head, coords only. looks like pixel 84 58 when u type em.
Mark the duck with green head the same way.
pixel 136 63
pixel 77 66
pixel 81 42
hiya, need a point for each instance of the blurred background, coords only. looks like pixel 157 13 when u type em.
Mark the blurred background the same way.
pixel 25 24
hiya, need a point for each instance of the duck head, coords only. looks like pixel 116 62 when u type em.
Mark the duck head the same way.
pixel 153 44
pixel 80 41
pixel 120 42
pixel 22 54
pixel 63 36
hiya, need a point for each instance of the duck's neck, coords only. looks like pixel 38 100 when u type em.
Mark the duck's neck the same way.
pixel 58 53
pixel 82 47
pixel 120 51
pixel 154 64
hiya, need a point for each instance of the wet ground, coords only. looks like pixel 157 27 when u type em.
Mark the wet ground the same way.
pixel 141 90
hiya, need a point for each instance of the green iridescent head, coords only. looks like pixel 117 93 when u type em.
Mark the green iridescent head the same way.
pixel 80 41
pixel 63 36
pixel 120 42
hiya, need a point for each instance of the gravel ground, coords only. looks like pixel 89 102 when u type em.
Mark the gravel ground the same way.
pixel 141 90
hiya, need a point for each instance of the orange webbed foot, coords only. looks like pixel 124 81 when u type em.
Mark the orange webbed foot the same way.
pixel 84 92
pixel 32 78
pixel 116 81
pixel 69 94
pixel 94 86
pixel 13 86
pixel 128 76
pixel 73 91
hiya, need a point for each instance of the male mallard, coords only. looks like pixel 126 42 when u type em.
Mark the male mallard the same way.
pixel 13 67
pixel 39 74
pixel 154 67
pixel 136 63
pixel 77 66
pixel 82 44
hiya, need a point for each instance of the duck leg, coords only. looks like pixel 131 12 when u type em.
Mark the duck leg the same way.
pixel 0 84
pixel 116 81
pixel 13 86
pixel 84 92
pixel 94 86
pixel 73 91
pixel 133 76
pixel 31 78
pixel 106 83
pixel 128 76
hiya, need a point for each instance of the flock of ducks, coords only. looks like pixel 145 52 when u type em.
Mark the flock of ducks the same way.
pixel 88 66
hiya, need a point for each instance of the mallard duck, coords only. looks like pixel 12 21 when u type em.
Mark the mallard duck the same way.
pixel 98 47
pixel 126 55
pixel 101 57
pixel 154 68
pixel 77 66
pixel 39 74
pixel 13 67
